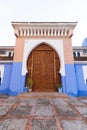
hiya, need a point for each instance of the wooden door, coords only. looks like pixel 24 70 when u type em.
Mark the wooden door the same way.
pixel 43 65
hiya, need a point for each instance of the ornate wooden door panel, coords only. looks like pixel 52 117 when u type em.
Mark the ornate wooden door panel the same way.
pixel 43 66
pixel 49 70
pixel 43 71
pixel 37 70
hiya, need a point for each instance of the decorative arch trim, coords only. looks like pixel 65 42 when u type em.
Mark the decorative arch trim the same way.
pixel 57 45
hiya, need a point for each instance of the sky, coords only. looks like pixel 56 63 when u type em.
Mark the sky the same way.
pixel 42 11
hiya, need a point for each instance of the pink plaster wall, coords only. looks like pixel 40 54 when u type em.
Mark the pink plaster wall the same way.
pixel 18 51
pixel 68 51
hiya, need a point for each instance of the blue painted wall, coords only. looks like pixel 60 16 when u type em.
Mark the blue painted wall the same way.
pixel 23 78
pixel 70 80
pixel 82 86
pixel 63 84
pixel 17 80
pixel 4 87
pixel 73 81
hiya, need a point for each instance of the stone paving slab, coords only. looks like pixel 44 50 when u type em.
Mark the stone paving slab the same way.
pixel 74 125
pixel 11 101
pixel 82 110
pixel 43 101
pixel 21 111
pixel 4 109
pixel 13 124
pixel 84 101
pixel 63 108
pixel 66 112
pixel 43 112
pixel 44 124
pixel 76 101
pixel 27 101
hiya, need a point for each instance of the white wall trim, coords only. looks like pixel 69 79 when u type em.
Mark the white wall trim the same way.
pixel 57 45
pixel 84 73
pixel 1 72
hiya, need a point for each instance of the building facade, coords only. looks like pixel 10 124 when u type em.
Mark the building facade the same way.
pixel 44 53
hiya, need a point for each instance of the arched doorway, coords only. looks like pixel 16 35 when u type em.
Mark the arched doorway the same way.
pixel 43 67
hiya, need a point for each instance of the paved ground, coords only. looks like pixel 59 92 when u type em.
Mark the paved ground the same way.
pixel 35 111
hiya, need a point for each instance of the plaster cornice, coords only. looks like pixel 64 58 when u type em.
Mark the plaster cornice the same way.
pixel 43 29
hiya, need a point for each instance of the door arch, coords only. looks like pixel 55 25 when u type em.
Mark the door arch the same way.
pixel 43 65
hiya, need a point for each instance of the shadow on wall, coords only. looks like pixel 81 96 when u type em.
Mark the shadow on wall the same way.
pixel 82 93
pixel 4 91
pixel 13 93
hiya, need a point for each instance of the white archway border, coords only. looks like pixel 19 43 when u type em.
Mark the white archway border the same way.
pixel 1 72
pixel 85 73
pixel 29 45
